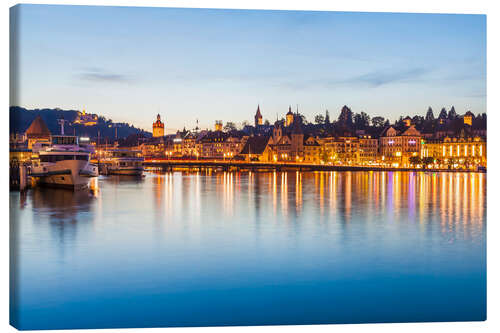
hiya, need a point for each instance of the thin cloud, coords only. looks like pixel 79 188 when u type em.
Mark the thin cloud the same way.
pixel 95 74
pixel 373 79
pixel 380 78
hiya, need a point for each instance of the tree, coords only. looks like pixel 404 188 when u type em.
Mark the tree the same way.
pixel 452 114
pixel 345 117
pixel 418 121
pixel 378 121
pixel 428 160
pixel 319 119
pixel 230 126
pixel 361 120
pixel 327 118
pixel 245 123
pixel 415 160
pixel 303 119
pixel 266 122
pixel 324 156
pixel 429 116
pixel 443 114
pixel 400 122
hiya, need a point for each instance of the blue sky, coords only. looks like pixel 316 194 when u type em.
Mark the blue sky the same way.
pixel 130 63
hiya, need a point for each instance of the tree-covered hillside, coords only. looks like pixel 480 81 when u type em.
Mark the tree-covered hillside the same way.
pixel 20 119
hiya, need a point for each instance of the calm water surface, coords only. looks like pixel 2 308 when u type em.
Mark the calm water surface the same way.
pixel 219 248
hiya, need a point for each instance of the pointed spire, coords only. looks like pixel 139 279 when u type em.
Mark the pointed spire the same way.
pixel 258 114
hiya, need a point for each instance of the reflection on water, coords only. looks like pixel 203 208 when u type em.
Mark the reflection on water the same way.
pixel 217 248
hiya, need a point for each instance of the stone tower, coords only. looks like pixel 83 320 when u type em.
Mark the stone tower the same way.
pixel 158 127
pixel 258 117
pixel 289 117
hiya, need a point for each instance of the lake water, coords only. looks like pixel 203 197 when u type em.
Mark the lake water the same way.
pixel 231 248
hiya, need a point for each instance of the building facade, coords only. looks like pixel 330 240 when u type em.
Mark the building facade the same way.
pixel 397 148
pixel 461 152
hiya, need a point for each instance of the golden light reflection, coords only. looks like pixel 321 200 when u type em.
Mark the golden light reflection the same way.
pixel 333 193
pixel 275 192
pixel 450 203
pixel 347 193
pixel 422 193
pixel 94 186
pixel 284 193
pixel 168 179
pixel 298 191
pixel 321 192
pixel 228 191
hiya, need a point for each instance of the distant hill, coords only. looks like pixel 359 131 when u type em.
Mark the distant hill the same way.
pixel 20 119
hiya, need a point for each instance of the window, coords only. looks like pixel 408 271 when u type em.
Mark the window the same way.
pixel 82 157
pixel 56 158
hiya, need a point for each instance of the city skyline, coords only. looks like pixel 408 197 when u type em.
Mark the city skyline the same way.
pixel 212 64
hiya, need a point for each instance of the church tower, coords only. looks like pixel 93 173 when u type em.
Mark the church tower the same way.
pixel 158 127
pixel 218 125
pixel 289 117
pixel 277 132
pixel 297 135
pixel 258 117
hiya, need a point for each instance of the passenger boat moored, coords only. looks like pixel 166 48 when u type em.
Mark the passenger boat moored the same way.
pixel 63 164
pixel 123 162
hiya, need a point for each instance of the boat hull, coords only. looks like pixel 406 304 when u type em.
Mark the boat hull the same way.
pixel 65 174
pixel 127 172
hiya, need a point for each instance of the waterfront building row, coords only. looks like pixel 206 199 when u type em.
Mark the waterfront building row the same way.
pixel 287 143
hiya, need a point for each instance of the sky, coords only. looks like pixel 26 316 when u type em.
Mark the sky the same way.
pixel 130 63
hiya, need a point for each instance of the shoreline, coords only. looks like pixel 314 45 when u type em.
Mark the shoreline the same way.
pixel 263 166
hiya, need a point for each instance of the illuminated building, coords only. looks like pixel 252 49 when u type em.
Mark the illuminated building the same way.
pixel 153 148
pixel 297 142
pixel 280 143
pixel 189 145
pixel 468 118
pixel 312 150
pixel 368 149
pixel 257 148
pixel 219 145
pixel 457 152
pixel 397 147
pixel 346 150
pixel 288 143
pixel 407 121
pixel 177 144
pixel 258 117
pixel 218 125
pixel 21 155
pixel 158 127
pixel 38 132
pixel 86 119
pixel 289 117
pixel 342 149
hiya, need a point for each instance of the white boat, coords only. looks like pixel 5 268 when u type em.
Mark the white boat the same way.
pixel 64 163
pixel 123 162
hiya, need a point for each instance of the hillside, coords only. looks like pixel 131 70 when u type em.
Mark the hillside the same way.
pixel 20 119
